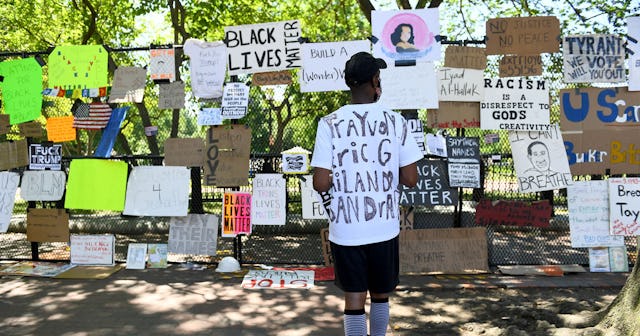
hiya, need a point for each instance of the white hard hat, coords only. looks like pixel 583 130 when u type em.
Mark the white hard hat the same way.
pixel 228 264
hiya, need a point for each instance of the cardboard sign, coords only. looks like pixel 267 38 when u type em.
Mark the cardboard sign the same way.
pixel 93 249
pixel 464 161
pixel 410 87
pixel 237 214
pixel 269 201
pixel 162 64
pixel 95 184
pixel 407 218
pixel 78 66
pixel 171 95
pixel 45 156
pixel 271 78
pixel 128 85
pixel 458 84
pixel 598 108
pixel 454 115
pixel 5 127
pixel 235 100
pixel 263 47
pixel 588 204
pixel 188 152
pixel 323 66
pixel 312 207
pixel 13 154
pixel 432 187
pixel 523 35
pixel 595 58
pixel 465 57
pixel 210 116
pixel 259 279
pixel 47 185
pixel 32 129
pixel 9 182
pixel 157 191
pixel 624 206
pixel 540 160
pixel 515 104
pixel 21 88
pixel 444 251
pixel 513 213
pixel 227 156
pixel 47 225
pixel 60 129
pixel 521 66
pixel 194 234
pixel 326 247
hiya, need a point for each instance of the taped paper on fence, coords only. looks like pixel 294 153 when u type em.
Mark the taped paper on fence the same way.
pixel 21 89
pixel 323 69
pixel 44 185
pixel 157 191
pixel 523 35
pixel 624 206
pixel 465 57
pixel 31 129
pixel 171 95
pixel 47 225
pixel 227 156
pixel 95 184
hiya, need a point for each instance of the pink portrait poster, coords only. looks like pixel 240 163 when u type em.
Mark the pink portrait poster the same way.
pixel 406 36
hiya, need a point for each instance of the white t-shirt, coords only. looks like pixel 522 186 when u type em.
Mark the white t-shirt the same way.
pixel 364 145
pixel 208 66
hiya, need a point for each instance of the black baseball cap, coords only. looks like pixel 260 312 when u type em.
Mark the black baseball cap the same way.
pixel 361 68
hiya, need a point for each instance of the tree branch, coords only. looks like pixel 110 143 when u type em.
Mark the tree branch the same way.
pixel 366 7
pixel 577 11
pixel 403 4
pixel 92 22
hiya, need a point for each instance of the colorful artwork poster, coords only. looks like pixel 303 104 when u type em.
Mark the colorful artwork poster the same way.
pixel 323 64
pixel 78 67
pixel 157 255
pixel 594 58
pixel 162 64
pixel 588 204
pixel 624 206
pixel 9 182
pixel 263 47
pixel 21 88
pixel 633 52
pixel 269 200
pixel 540 160
pixel 406 35
pixel 237 214
pixel 158 191
pixel 95 184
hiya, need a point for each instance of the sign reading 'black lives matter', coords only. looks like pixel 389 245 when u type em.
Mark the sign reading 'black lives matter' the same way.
pixel 432 187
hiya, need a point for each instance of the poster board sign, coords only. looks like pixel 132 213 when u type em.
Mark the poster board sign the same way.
pixel 158 191
pixel 128 85
pixel 237 214
pixel 459 84
pixel 162 64
pixel 520 65
pixel 60 129
pixel 326 247
pixel 540 160
pixel 95 184
pixel 157 255
pixel 633 44
pixel 9 182
pixel 588 205
pixel 295 160
pixel 406 35
pixel 523 35
pixel 5 126
pixel 465 57
pixel 21 88
pixel 593 58
pixel 187 152
pixel 195 234
pixel 78 66
pixel 432 187
pixel 624 206
pixel 260 279
pixel 13 154
pixel 31 129
pixel 454 115
pixel 47 225
pixel 45 156
pixel 269 200
pixel 263 47
pixel 409 87
pixel 323 64
pixel 416 130
pixel 464 161
pixel 312 207
pixel 618 259
pixel 136 255
pixel 210 116
pixel 272 78
pixel 444 251
pixel 515 104
pixel 208 61
pixel 513 213
pixel 92 249
pixel 45 185
pixel 171 95
pixel 599 259
pixel 235 100
pixel 227 156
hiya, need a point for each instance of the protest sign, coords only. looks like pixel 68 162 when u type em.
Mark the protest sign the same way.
pixel 136 255
pixel 9 182
pixel 47 225
pixel 187 152
pixel 624 206
pixel 520 65
pixel 269 200
pixel 78 66
pixel 60 129
pixel 5 126
pixel 515 104
pixel 410 87
pixel 235 100
pixel 595 58
pixel 513 213
pixel 523 35
pixel 45 185
pixel 463 162
pixel 454 115
pixel 263 47
pixel 21 88
pixel 416 130
pixel 92 249
pixel 13 154
pixel 95 184
pixel 162 64
pixel 465 57
pixel 195 234
pixel 31 129
pixel 432 187
pixel 210 116
pixel 45 156
pixel 259 279
pixel 271 78
pixel 208 61
pixel 227 156
pixel 157 191
pixel 237 214
pixel 171 95
pixel 323 66
pixel 157 255
pixel 458 84
pixel 312 207
pixel 128 85
pixel 295 160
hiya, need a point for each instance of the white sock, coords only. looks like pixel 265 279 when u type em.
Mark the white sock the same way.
pixel 379 317
pixel 355 323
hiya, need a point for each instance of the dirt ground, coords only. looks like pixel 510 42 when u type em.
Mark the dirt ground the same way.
pixel 498 312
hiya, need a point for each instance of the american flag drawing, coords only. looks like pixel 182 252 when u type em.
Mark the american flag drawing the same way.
pixel 92 116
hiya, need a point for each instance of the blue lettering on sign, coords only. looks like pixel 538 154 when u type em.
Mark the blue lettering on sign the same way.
pixel 591 155
pixel 609 112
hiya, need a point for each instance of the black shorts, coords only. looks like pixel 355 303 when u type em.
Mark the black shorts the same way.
pixel 372 267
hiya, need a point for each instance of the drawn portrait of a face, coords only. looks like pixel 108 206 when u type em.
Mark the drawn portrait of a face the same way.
pixel 538 154
pixel 406 33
